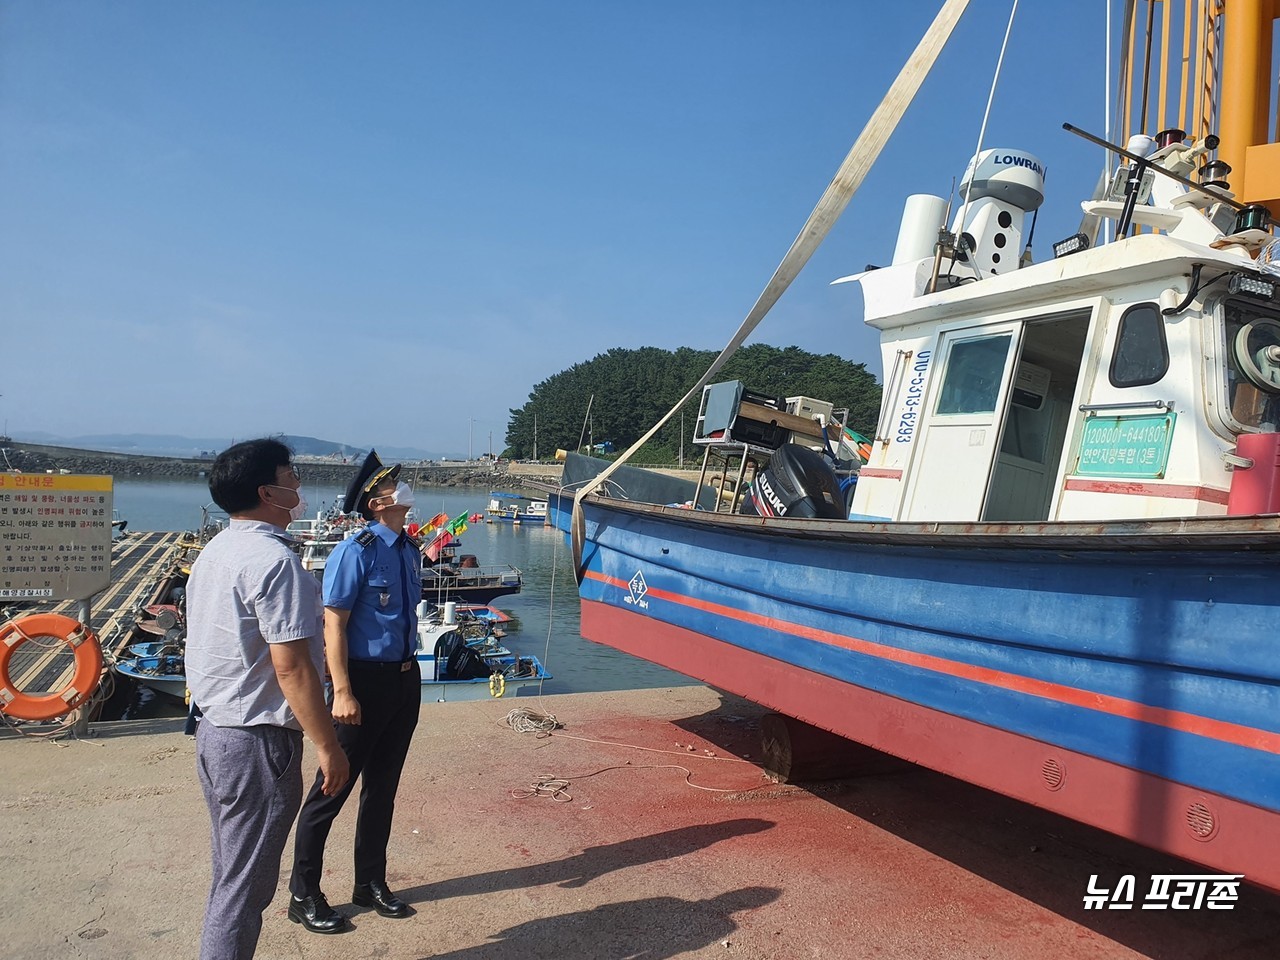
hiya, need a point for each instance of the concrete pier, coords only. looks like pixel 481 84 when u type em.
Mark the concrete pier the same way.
pixel 665 840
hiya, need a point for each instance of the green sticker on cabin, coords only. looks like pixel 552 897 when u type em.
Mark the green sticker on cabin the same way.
pixel 1135 447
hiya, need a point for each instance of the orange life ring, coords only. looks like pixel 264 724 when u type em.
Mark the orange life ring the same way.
pixel 88 671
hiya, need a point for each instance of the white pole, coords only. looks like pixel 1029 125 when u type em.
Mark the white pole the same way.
pixel 1106 112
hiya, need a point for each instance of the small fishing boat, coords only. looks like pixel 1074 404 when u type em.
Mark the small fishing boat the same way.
pixel 461 579
pixel 152 648
pixel 482 612
pixel 317 536
pixel 515 508
pixel 163 673
pixel 454 669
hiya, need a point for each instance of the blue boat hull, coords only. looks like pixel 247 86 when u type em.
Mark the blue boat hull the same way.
pixel 1128 684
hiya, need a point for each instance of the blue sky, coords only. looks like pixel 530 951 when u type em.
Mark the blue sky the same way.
pixel 386 222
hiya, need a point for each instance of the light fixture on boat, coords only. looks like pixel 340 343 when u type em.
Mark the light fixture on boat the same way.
pixel 1253 217
pixel 1251 286
pixel 1214 174
pixel 1073 244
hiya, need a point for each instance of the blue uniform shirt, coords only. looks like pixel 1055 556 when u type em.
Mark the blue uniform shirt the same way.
pixel 379 579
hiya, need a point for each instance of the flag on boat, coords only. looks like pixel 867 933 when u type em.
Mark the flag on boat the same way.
pixel 458 525
pixel 436 522
pixel 441 540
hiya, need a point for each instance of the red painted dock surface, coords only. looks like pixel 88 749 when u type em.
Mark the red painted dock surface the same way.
pixel 106 852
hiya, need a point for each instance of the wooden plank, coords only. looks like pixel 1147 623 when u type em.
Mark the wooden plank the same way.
pixel 788 421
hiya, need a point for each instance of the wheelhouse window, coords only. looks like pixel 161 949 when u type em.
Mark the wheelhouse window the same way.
pixel 1252 398
pixel 974 370
pixel 1142 352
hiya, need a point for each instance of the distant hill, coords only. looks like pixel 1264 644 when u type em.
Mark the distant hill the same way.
pixel 172 445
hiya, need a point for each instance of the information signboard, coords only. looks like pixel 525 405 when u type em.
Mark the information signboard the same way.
pixel 1133 447
pixel 55 536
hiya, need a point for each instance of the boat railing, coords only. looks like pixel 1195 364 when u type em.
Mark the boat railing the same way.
pixel 495 572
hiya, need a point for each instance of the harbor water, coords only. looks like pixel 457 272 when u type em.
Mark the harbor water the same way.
pixel 545 612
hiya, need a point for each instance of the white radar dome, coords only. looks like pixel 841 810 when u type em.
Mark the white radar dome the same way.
pixel 1009 175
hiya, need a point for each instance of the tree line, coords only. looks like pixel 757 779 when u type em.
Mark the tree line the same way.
pixel 629 390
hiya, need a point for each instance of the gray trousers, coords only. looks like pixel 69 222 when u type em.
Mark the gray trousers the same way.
pixel 252 782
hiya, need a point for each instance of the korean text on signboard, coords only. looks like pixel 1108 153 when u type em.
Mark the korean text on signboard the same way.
pixel 1135 447
pixel 55 536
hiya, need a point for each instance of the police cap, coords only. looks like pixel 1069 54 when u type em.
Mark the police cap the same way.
pixel 371 473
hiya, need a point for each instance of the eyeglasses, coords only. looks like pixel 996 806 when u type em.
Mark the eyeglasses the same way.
pixel 293 472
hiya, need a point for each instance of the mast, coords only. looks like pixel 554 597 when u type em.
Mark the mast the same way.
pixel 1245 125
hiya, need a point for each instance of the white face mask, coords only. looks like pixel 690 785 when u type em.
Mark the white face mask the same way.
pixel 299 509
pixel 403 496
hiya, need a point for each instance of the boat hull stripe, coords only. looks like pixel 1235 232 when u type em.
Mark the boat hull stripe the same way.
pixel 1136 489
pixel 1220 730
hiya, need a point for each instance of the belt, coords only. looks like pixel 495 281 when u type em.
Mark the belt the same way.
pixel 387 665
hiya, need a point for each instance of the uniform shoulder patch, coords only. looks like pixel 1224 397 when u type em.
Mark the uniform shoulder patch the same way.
pixel 366 538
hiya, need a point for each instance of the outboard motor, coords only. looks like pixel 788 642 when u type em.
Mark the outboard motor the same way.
pixel 798 482
pixel 457 661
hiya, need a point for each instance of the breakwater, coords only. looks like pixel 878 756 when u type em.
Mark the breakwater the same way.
pixel 42 458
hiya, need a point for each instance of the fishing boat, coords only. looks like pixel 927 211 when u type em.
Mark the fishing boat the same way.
pixel 165 673
pixel 152 648
pixel 461 578
pixel 1055 576
pixel 456 666
pixel 317 536
pixel 515 508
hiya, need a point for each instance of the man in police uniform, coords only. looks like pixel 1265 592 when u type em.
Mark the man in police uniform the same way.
pixel 372 585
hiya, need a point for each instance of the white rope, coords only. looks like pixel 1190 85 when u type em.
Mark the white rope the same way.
pixel 524 720
pixel 1106 110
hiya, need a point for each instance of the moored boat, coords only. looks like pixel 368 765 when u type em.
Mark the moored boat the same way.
pixel 163 673
pixel 1055 574
pixel 462 579
pixel 515 508
pixel 455 667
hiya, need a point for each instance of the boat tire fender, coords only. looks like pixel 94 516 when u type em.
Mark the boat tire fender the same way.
pixel 84 681
pixel 497 685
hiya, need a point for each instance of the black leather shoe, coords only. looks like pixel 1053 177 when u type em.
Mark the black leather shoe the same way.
pixel 316 915
pixel 378 895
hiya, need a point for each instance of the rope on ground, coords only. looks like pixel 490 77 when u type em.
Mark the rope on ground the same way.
pixel 524 720
pixel 686 752
pixel 546 785
pixel 557 788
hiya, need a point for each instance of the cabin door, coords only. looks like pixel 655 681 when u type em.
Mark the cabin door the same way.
pixel 960 433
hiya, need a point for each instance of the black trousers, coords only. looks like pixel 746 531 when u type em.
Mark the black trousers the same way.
pixel 389 702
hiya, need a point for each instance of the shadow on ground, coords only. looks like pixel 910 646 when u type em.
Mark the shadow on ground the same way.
pixel 652 928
